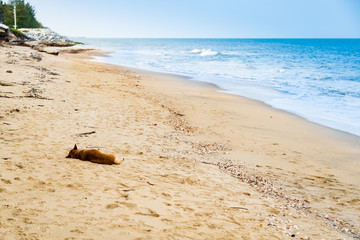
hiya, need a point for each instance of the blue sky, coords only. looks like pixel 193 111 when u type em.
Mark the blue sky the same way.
pixel 202 18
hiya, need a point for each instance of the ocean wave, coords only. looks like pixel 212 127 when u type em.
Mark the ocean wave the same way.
pixel 204 52
pixel 325 89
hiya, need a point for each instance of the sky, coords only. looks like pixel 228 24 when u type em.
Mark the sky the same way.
pixel 201 18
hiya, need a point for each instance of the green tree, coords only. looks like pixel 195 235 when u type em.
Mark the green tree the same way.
pixel 25 14
pixel 7 16
pixel 1 11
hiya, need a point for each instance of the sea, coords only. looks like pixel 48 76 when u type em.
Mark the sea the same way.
pixel 318 79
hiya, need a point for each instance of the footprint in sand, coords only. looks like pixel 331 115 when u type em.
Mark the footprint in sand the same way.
pixel 129 205
pixel 112 206
pixel 166 195
pixel 6 181
pixel 148 212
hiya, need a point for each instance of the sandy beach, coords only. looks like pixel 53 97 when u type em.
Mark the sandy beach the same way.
pixel 198 163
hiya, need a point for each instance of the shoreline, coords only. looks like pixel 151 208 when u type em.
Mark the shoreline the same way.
pixel 199 163
pixel 192 78
pixel 185 85
pixel 338 137
pixel 347 136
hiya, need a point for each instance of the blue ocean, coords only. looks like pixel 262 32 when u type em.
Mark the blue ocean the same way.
pixel 318 79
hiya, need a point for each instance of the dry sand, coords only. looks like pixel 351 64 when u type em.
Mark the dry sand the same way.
pixel 198 163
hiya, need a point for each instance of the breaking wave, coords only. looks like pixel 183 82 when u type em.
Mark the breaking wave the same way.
pixel 204 52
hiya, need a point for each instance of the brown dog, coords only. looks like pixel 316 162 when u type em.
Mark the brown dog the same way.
pixel 92 155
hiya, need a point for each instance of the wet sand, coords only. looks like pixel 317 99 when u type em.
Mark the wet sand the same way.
pixel 198 163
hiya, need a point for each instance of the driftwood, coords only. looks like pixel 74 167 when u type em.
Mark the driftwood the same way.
pixel 242 208
pixel 40 46
pixel 4 84
pixel 40 49
pixel 36 96
pixel 76 50
pixel 54 44
pixel 151 184
pixel 128 190
pixel 207 163
pixel 85 134
pixel 30 96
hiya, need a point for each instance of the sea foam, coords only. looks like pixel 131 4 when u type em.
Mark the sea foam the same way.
pixel 204 52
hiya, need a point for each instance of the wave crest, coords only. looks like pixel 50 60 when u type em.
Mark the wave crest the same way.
pixel 204 52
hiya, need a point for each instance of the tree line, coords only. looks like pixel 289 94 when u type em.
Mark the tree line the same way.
pixel 25 14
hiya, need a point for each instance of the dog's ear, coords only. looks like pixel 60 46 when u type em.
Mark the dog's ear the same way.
pixel 75 147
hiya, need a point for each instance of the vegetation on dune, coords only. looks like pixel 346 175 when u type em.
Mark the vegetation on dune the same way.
pixel 25 14
pixel 16 32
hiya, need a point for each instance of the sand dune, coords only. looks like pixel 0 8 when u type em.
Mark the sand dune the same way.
pixel 198 164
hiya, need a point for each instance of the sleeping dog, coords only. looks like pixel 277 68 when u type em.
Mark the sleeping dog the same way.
pixel 93 155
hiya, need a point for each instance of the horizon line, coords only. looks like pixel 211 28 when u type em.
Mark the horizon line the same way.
pixel 218 37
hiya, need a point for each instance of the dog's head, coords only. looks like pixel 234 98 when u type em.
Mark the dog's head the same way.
pixel 72 153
